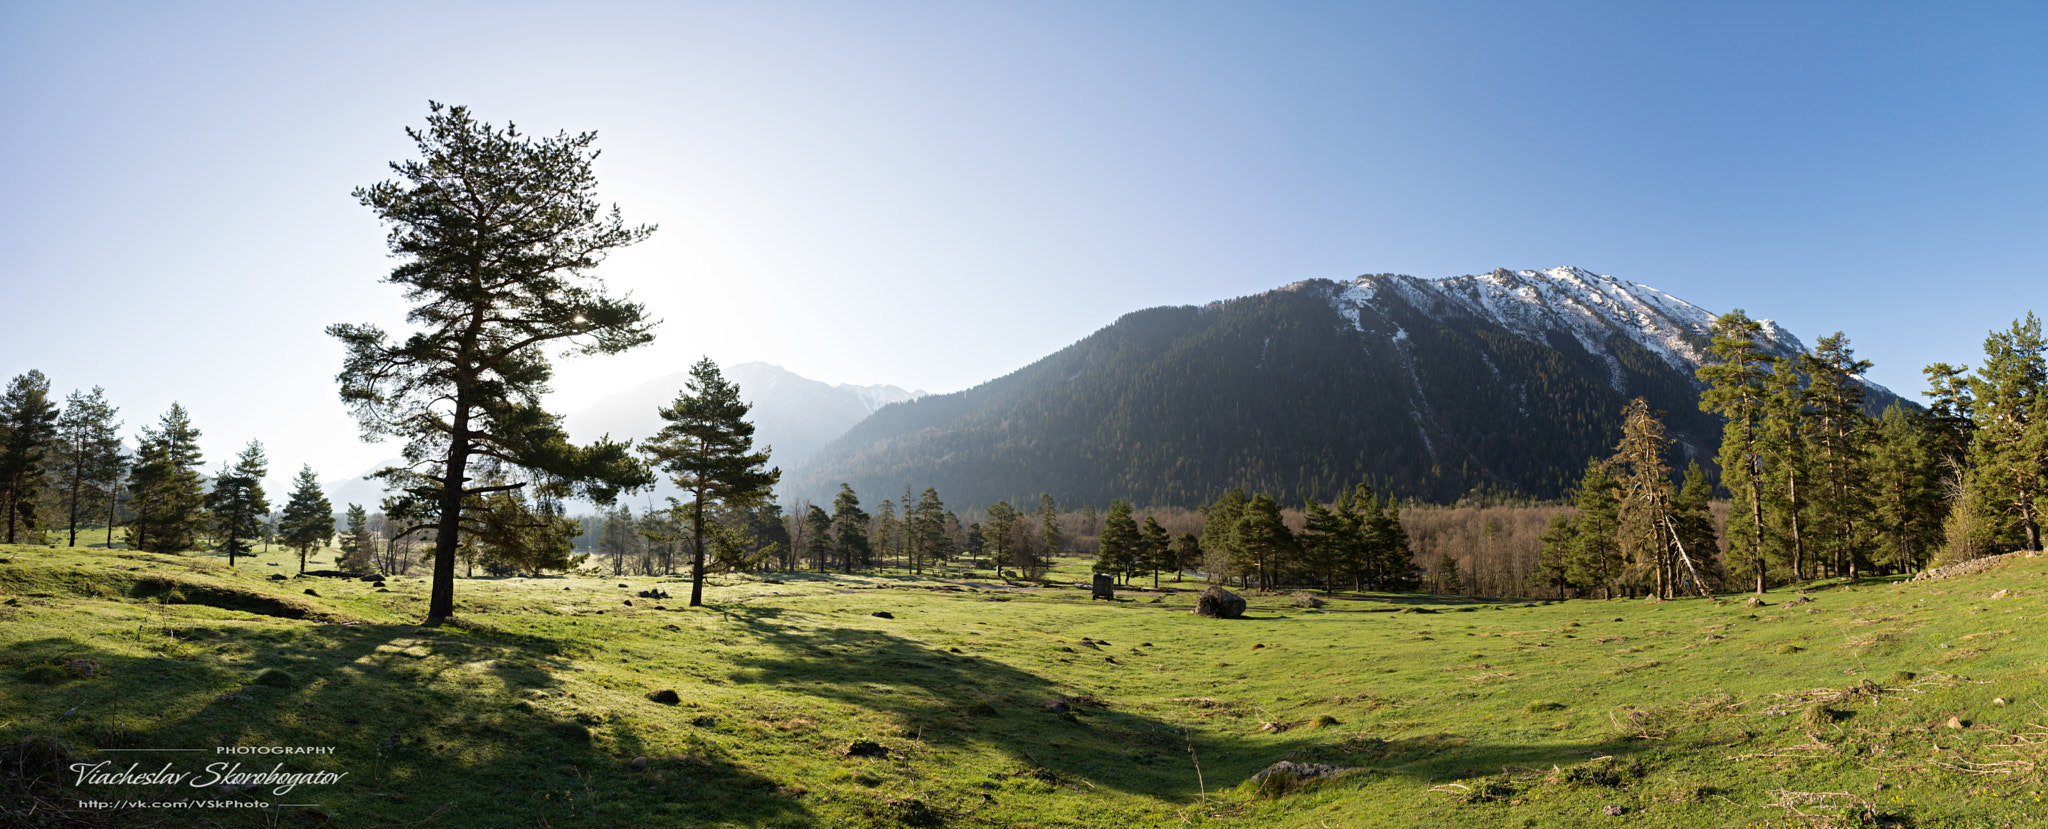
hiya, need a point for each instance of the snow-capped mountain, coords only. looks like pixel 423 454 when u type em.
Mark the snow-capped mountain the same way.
pixel 1425 387
pixel 1533 305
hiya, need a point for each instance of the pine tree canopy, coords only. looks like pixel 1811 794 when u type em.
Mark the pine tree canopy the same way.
pixel 497 233
pixel 707 448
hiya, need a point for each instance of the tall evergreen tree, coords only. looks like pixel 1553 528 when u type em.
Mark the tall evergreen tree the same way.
pixel 1265 545
pixel 1951 417
pixel 308 520
pixel 358 552
pixel 237 502
pixel 929 530
pixel 1788 460
pixel 818 537
pixel 850 530
pixel 1595 560
pixel 497 234
pixel 1449 580
pixel 1735 391
pixel 1187 554
pixel 1692 523
pixel 1553 561
pixel 708 450
pixel 28 423
pixel 1158 547
pixel 164 485
pixel 89 462
pixel 1120 545
pixel 1643 482
pixel 1396 560
pixel 1906 488
pixel 1840 434
pixel 1219 534
pixel 1049 534
pixel 1325 539
pixel 2010 452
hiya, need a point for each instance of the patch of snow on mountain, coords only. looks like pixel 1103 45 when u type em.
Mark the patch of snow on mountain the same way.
pixel 875 397
pixel 1587 306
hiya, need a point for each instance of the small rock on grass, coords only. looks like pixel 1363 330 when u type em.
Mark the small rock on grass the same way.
pixel 883 614
pixel 665 696
pixel 638 764
pixel 1615 811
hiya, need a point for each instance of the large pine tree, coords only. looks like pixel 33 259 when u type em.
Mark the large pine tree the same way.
pixel 1787 461
pixel 164 486
pixel 2010 452
pixel 1118 547
pixel 1840 437
pixel 237 502
pixel 1265 546
pixel 308 520
pixel 707 448
pixel 28 423
pixel 1735 379
pixel 89 462
pixel 497 234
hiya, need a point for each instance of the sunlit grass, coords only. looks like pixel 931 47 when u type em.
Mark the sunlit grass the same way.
pixel 797 706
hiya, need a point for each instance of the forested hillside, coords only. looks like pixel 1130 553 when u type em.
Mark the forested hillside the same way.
pixel 1427 388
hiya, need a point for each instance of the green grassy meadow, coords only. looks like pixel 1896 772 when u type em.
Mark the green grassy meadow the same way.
pixel 1879 704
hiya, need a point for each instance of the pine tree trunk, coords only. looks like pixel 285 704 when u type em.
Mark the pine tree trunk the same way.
pixel 441 597
pixel 697 550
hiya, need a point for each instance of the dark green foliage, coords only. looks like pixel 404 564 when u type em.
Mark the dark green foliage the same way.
pixel 497 234
pixel 308 520
pixel 1447 576
pixel 237 502
pixel 1735 376
pixel 1119 550
pixel 88 459
pixel 1265 546
pixel 2010 452
pixel 1553 564
pixel 358 550
pixel 164 486
pixel 28 422
pixel 850 531
pixel 817 536
pixel 1156 548
pixel 1187 554
pixel 707 448
pixel 1788 480
pixel 1595 558
pixel 1219 533
pixel 1692 521
pixel 1905 488
pixel 1839 431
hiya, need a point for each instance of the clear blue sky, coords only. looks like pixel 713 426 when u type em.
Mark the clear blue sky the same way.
pixel 934 194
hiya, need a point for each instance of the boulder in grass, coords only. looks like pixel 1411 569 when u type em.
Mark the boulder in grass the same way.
pixel 665 696
pixel 1285 776
pixel 1218 603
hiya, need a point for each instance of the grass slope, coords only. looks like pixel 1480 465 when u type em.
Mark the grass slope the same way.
pixel 1882 704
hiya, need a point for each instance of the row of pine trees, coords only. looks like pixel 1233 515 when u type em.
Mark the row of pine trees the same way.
pixel 67 467
pixel 1818 487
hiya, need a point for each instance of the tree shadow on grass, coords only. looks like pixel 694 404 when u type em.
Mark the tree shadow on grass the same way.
pixel 458 726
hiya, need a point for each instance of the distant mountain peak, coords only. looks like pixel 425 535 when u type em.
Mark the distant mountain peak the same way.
pixel 1570 300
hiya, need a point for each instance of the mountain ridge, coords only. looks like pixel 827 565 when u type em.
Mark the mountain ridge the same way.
pixel 1427 387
